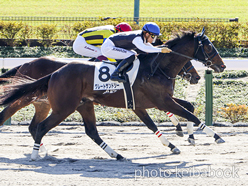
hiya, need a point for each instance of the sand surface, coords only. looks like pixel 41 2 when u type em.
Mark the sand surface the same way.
pixel 74 159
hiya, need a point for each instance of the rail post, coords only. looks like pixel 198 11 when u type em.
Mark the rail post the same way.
pixel 236 19
pixel 136 11
pixel 209 97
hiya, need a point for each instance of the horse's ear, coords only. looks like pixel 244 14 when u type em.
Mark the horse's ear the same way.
pixel 203 31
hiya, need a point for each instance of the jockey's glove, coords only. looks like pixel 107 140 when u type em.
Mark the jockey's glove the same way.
pixel 165 50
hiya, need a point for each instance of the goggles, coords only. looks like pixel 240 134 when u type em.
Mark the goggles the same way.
pixel 154 37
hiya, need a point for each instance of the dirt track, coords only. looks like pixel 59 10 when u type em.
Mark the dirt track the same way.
pixel 74 159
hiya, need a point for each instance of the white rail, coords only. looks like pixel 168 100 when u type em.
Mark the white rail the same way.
pixel 231 64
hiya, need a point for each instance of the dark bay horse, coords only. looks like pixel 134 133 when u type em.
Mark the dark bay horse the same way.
pixel 45 65
pixel 71 88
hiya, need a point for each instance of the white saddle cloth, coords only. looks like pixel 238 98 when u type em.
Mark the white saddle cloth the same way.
pixel 104 70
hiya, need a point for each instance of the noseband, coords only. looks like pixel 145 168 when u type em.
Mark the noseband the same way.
pixel 185 71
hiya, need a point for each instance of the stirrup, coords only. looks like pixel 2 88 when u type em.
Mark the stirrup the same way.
pixel 118 78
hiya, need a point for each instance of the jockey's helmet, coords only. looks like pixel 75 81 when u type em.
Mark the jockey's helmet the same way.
pixel 152 28
pixel 123 27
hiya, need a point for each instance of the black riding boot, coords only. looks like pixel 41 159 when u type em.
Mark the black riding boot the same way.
pixel 122 65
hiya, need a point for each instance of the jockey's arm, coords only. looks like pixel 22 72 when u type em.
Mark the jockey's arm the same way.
pixel 138 42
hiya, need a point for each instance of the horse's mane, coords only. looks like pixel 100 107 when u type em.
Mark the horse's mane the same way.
pixel 180 37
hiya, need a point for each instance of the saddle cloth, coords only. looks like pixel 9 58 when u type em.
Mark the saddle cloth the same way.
pixel 104 70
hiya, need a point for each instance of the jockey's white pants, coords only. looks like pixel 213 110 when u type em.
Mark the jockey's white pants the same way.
pixel 81 47
pixel 111 51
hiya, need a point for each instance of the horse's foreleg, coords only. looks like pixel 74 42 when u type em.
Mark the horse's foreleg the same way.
pixel 175 122
pixel 177 109
pixel 88 114
pixel 190 128
pixel 143 115
pixel 210 132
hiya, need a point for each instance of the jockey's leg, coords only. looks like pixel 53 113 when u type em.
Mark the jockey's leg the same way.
pixel 109 50
pixel 122 65
pixel 81 47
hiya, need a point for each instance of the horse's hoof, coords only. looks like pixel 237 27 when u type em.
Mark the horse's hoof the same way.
pixel 120 158
pixel 191 141
pixel 43 149
pixel 175 151
pixel 34 155
pixel 179 133
pixel 220 140
pixel 33 159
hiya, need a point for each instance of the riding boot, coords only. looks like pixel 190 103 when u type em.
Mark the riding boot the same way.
pixel 92 59
pixel 100 58
pixel 122 65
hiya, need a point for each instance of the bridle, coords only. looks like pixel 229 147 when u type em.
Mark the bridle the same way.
pixel 207 61
pixel 184 72
pixel 199 47
pixel 199 51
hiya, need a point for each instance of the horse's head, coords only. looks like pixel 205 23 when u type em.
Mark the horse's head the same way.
pixel 207 53
pixel 189 73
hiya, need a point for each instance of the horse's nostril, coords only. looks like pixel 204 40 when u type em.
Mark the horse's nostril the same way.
pixel 198 77
pixel 223 66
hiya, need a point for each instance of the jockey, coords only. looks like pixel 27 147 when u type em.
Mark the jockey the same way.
pixel 121 46
pixel 88 41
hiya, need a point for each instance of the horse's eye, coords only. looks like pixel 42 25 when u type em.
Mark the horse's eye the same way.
pixel 208 48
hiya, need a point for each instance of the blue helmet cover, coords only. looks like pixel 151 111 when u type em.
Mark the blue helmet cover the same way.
pixel 152 28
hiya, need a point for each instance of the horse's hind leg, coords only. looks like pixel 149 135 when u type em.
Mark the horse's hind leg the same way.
pixel 87 112
pixel 143 115
pixel 52 121
pixel 42 109
pixel 12 109
pixel 63 103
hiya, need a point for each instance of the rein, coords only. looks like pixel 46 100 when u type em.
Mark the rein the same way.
pixel 157 67
pixel 207 62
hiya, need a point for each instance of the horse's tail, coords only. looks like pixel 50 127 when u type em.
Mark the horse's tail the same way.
pixel 24 87
pixel 9 74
